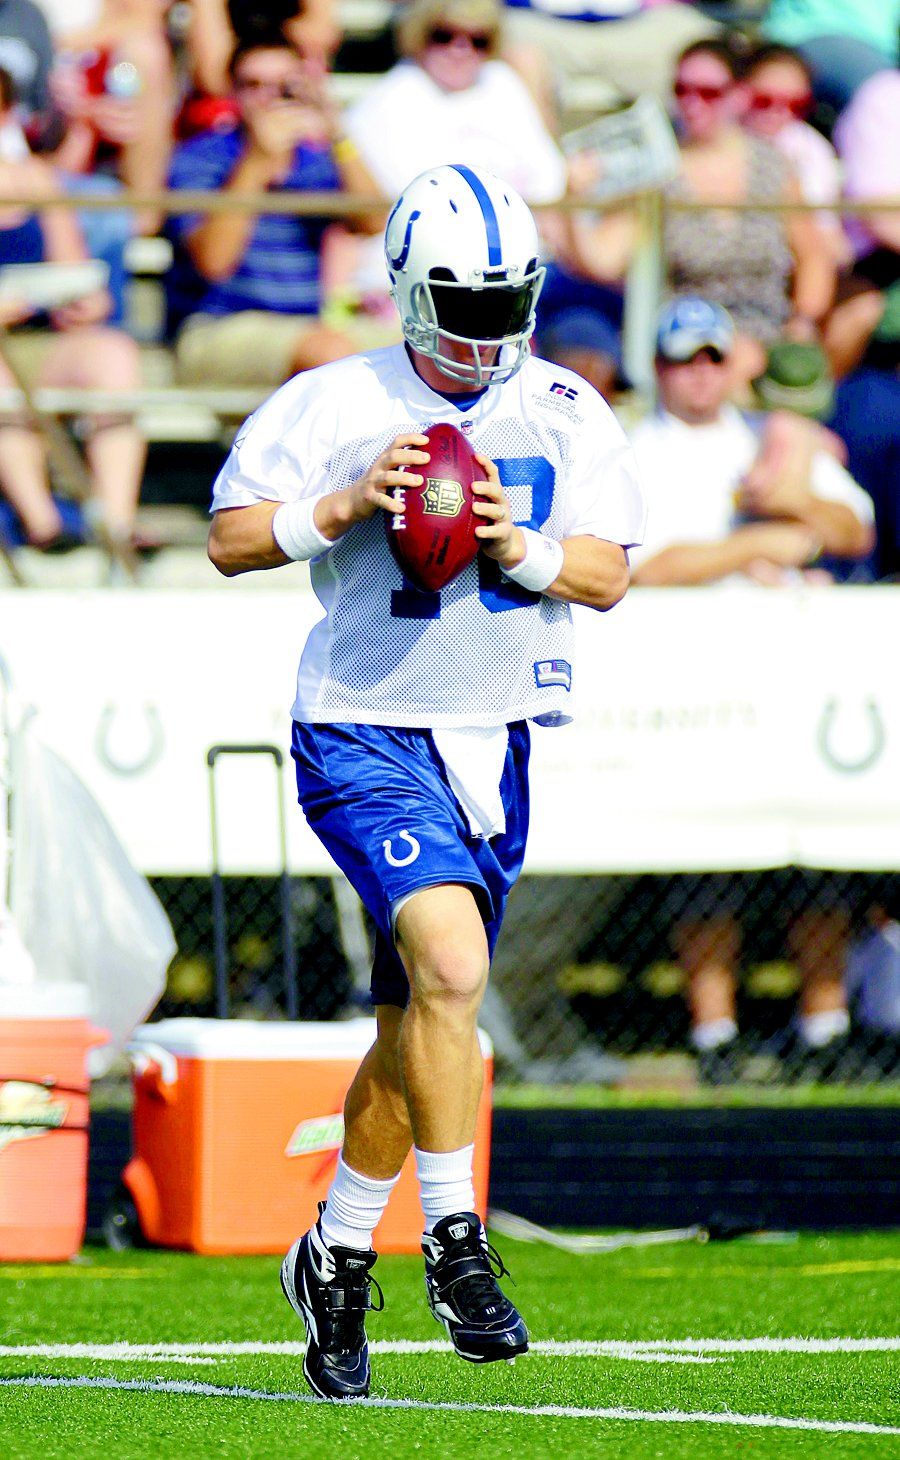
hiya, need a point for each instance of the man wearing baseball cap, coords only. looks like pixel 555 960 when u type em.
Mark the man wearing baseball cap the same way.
pixel 688 325
pixel 734 496
pixel 721 501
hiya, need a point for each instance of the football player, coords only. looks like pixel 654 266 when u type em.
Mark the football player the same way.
pixel 411 733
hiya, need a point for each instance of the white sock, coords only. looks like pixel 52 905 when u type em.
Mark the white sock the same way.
pixel 712 1033
pixel 354 1207
pixel 445 1183
pixel 817 1030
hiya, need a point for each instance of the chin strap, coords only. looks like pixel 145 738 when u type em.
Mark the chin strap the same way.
pixel 477 374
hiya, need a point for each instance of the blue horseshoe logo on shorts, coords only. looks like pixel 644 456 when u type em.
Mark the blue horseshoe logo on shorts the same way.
pixel 414 850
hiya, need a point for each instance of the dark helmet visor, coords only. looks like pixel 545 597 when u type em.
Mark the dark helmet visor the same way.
pixel 482 314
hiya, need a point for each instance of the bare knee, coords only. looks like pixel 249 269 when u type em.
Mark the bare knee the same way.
pixel 452 979
pixel 707 944
pixel 97 358
pixel 819 940
pixel 441 940
pixel 116 360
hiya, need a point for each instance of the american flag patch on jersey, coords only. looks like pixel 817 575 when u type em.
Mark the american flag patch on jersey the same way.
pixel 548 672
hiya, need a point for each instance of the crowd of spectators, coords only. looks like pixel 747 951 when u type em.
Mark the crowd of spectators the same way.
pixel 794 100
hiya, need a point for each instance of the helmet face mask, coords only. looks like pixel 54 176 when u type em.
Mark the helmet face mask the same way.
pixel 495 318
pixel 462 257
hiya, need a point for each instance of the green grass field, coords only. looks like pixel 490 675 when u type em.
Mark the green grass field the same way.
pixel 244 1395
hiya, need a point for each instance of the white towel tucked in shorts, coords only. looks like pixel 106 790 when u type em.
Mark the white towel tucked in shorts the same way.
pixel 474 759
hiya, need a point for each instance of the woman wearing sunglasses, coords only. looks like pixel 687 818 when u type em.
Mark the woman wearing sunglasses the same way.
pixel 772 271
pixel 452 99
pixel 780 98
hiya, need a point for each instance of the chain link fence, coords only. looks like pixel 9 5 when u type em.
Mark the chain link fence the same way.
pixel 599 978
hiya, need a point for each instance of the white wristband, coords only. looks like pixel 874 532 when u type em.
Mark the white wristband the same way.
pixel 295 531
pixel 541 565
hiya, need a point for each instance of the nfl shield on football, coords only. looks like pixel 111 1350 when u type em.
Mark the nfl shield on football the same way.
pixel 433 538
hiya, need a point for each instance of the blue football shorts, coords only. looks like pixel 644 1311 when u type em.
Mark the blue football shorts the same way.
pixel 379 800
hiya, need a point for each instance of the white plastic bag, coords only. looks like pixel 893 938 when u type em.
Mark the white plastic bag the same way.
pixel 84 913
pixel 16 963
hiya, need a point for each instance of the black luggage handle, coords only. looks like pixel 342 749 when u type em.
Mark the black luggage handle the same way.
pixel 212 755
pixel 220 924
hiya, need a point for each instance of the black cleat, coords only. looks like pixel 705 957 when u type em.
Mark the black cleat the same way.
pixel 461 1272
pixel 330 1289
pixel 721 1065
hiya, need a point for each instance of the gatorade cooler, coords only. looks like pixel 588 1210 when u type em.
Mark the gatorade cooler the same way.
pixel 237 1128
pixel 45 1037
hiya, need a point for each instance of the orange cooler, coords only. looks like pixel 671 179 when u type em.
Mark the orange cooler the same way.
pixel 237 1127
pixel 45 1037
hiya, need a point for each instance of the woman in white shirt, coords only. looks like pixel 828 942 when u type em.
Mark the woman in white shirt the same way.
pixel 451 98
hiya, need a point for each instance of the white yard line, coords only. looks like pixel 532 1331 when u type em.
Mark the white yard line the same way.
pixel 673 1350
pixel 772 1345
pixel 536 1411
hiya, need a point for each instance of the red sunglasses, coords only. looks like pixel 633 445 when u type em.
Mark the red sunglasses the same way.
pixel 704 93
pixel 766 101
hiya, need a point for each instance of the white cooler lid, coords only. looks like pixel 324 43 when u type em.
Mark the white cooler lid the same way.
pixel 252 1039
pixel 44 1001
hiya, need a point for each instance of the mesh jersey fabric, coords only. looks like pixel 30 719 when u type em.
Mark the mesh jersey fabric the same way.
pixel 483 651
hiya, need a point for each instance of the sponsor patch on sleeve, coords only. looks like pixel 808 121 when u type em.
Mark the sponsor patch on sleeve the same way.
pixel 548 672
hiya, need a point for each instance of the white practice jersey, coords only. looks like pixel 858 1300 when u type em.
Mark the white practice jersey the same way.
pixel 483 651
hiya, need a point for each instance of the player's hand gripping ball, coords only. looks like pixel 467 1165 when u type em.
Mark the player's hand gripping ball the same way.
pixel 433 538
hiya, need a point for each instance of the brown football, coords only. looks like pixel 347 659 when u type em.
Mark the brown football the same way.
pixel 433 539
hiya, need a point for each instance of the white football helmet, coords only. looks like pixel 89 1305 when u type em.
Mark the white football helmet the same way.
pixel 462 257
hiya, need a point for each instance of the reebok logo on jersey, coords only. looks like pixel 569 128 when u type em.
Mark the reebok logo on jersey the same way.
pixel 549 672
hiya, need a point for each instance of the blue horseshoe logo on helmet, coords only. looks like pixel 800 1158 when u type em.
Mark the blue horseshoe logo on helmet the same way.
pixel 399 262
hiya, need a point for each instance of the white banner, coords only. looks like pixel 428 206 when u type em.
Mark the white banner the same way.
pixel 714 728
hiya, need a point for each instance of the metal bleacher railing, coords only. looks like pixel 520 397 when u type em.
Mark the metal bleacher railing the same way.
pixel 642 292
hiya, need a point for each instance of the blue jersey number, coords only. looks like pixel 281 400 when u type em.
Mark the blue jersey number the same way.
pixel 496 594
